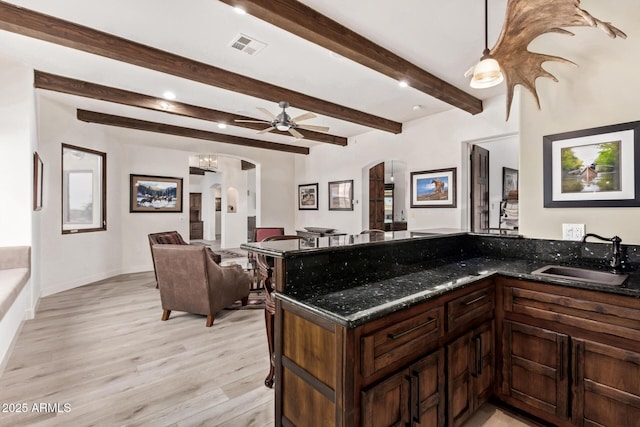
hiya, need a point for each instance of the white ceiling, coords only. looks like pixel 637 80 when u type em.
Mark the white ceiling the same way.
pixel 442 37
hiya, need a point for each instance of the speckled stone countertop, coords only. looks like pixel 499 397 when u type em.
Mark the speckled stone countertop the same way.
pixel 358 281
pixel 361 303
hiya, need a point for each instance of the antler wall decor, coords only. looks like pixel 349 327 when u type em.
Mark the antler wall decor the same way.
pixel 526 20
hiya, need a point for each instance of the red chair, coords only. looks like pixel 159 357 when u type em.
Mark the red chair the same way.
pixel 261 233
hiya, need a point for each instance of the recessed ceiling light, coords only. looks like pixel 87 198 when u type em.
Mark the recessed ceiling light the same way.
pixel 169 95
pixel 222 126
pixel 240 11
pixel 403 83
pixel 417 107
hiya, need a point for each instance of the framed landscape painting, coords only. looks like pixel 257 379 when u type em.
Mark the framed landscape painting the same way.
pixel 308 196
pixel 595 167
pixel 433 189
pixel 341 195
pixel 155 194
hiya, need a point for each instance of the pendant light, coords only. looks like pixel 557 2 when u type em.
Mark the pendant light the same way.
pixel 487 72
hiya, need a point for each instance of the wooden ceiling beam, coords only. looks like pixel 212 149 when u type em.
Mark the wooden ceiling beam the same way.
pixel 65 33
pixel 129 123
pixel 303 21
pixel 71 86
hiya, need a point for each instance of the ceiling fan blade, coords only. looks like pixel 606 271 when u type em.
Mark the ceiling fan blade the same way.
pixel 313 127
pixel 305 116
pixel 267 130
pixel 250 121
pixel 295 133
pixel 267 113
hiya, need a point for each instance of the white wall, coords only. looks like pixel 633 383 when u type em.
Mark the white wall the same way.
pixel 433 142
pixel 18 222
pixel 75 259
pixel 134 244
pixel 603 90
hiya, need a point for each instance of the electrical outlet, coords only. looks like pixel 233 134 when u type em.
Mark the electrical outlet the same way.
pixel 572 231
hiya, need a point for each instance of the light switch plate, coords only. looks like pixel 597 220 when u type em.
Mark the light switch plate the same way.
pixel 572 231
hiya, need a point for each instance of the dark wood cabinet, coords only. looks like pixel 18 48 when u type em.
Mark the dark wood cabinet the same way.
pixel 411 397
pixel 570 356
pixel 470 373
pixel 196 226
pixel 536 368
pixel 606 385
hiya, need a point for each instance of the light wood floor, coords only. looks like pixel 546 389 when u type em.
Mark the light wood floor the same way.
pixel 102 350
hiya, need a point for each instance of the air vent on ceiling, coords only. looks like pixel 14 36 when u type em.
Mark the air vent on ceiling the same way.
pixel 246 44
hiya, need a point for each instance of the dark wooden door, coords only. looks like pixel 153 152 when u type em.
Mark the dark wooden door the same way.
pixel 606 386
pixel 387 403
pixel 459 359
pixel 536 364
pixel 376 197
pixel 470 373
pixel 484 370
pixel 479 189
pixel 429 398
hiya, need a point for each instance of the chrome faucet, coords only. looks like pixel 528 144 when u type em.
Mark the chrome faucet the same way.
pixel 616 259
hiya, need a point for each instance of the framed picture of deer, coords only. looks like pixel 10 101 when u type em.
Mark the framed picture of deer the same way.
pixel 433 189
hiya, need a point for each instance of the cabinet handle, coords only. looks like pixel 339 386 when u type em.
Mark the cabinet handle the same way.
pixel 412 406
pixel 417 415
pixel 562 362
pixel 408 331
pixel 478 355
pixel 578 348
pixel 480 298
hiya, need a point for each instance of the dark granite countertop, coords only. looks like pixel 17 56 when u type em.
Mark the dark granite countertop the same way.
pixel 292 248
pixel 354 305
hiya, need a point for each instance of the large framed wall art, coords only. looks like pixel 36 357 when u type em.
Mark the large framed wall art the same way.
pixel 596 167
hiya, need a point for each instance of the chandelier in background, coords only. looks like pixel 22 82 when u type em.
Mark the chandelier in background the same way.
pixel 208 162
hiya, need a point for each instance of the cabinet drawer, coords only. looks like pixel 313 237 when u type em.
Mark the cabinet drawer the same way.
pixel 404 338
pixel 588 310
pixel 469 307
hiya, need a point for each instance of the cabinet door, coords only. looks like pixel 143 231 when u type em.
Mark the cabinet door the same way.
pixel 428 394
pixel 484 371
pixel 470 373
pixel 535 368
pixel 460 357
pixel 387 403
pixel 606 385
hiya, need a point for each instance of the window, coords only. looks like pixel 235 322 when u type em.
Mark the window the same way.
pixel 84 178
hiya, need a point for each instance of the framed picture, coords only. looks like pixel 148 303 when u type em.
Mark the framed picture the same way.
pixel 155 194
pixel 341 195
pixel 509 183
pixel 218 204
pixel 38 169
pixel 433 189
pixel 595 167
pixel 308 196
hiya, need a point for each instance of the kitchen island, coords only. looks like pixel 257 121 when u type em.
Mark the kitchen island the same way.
pixel 423 327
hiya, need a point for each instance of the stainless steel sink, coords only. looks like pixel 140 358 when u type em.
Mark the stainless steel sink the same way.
pixel 581 274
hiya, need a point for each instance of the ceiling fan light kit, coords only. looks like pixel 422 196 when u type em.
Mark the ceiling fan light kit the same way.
pixel 284 123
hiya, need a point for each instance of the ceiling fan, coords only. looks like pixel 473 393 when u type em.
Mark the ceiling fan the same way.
pixel 283 122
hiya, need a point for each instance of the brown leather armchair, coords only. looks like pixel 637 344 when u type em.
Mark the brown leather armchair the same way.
pixel 172 238
pixel 190 280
